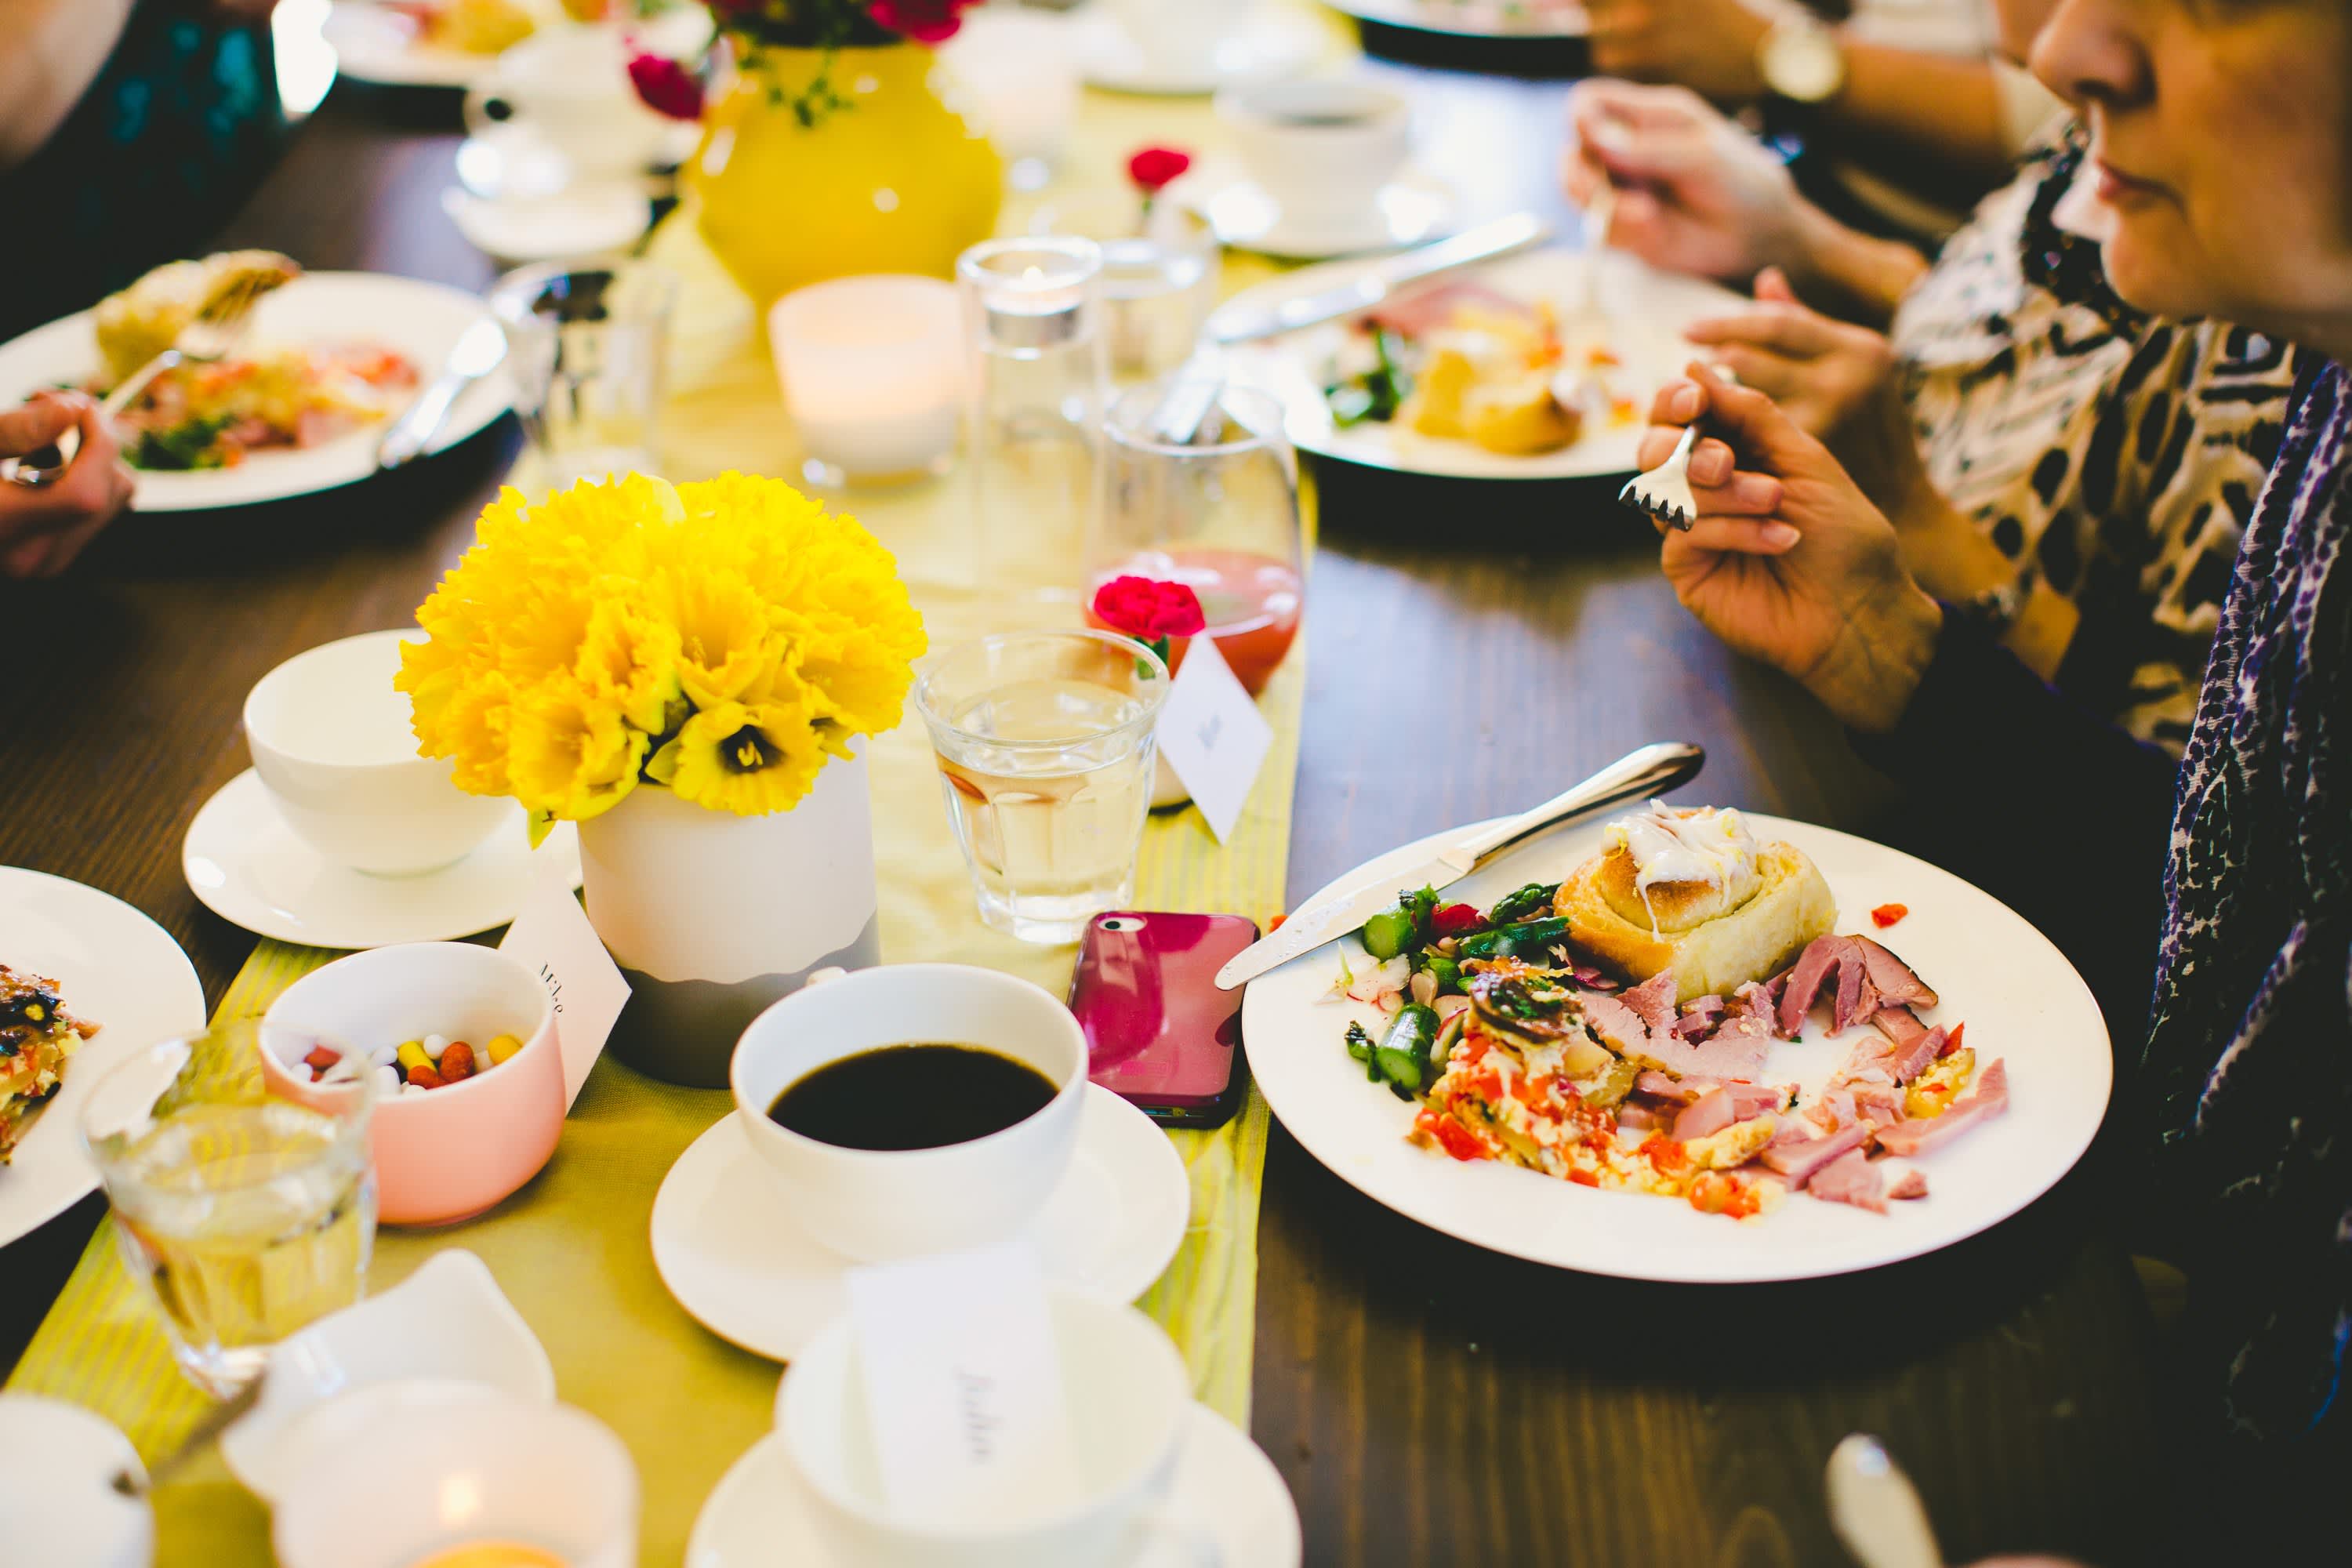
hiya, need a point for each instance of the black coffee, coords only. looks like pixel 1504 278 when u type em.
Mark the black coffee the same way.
pixel 912 1097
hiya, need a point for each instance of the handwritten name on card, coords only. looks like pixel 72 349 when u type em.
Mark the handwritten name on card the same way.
pixel 552 938
pixel 1213 736
pixel 967 1404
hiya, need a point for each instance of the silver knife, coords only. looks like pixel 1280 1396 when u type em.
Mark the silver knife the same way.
pixel 1377 280
pixel 478 350
pixel 1653 770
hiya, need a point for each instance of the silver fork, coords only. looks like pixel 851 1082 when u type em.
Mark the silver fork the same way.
pixel 1664 492
pixel 219 326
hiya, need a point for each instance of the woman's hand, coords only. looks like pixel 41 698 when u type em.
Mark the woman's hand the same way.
pixel 1708 46
pixel 1697 194
pixel 42 529
pixel 1836 380
pixel 1788 561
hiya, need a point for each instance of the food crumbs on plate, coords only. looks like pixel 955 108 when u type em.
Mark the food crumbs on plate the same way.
pixel 1275 924
pixel 1886 915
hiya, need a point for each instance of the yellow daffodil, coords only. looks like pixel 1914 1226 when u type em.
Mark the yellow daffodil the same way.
pixel 568 752
pixel 747 760
pixel 736 625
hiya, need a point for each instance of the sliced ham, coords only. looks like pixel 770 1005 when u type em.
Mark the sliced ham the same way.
pixel 1791 1129
pixel 1850 1179
pixel 1870 1061
pixel 1614 1023
pixel 1653 1001
pixel 1755 1098
pixel 1898 1024
pixel 1639 1118
pixel 1897 981
pixel 1879 1104
pixel 1798 1162
pixel 1432 309
pixel 1907 1062
pixel 1682 1091
pixel 1832 1108
pixel 1988 1099
pixel 1761 999
pixel 1747 1099
pixel 1699 1017
pixel 1710 1112
pixel 1813 966
pixel 1908 1185
pixel 1729 1054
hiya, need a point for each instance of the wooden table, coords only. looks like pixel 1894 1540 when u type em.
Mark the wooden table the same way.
pixel 1471 651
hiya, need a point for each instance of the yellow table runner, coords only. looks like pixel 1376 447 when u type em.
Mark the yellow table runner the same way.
pixel 571 1249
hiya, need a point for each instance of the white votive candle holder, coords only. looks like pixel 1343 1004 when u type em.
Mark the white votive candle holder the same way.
pixel 872 371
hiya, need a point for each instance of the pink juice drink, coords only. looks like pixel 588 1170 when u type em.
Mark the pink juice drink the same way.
pixel 1251 602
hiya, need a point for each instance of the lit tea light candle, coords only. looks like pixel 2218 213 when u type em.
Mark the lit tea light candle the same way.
pixel 872 370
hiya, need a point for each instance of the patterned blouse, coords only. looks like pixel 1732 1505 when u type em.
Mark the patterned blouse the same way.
pixel 2113 456
pixel 2243 1100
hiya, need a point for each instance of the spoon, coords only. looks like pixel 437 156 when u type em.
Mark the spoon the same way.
pixel 1874 1509
pixel 212 1424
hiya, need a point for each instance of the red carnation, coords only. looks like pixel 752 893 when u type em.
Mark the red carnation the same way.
pixel 666 85
pixel 1148 612
pixel 1154 166
pixel 924 21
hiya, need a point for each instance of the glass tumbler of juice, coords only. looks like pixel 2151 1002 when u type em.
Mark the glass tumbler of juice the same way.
pixel 1216 511
pixel 246 1216
pixel 1045 747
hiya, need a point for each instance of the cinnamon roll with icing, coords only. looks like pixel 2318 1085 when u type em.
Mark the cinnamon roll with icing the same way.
pixel 1693 891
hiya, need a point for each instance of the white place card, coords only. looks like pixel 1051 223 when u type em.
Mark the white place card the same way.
pixel 554 939
pixel 1213 736
pixel 963 1386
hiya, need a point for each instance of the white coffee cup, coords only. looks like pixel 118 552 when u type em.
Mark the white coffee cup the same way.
pixel 1129 1401
pixel 569 87
pixel 330 741
pixel 1321 147
pixel 1181 36
pixel 877 1203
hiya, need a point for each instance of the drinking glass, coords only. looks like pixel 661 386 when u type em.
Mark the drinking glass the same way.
pixel 1160 267
pixel 247 1216
pixel 585 345
pixel 1045 745
pixel 1032 313
pixel 1219 513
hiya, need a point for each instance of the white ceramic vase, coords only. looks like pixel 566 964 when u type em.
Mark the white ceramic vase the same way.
pixel 712 916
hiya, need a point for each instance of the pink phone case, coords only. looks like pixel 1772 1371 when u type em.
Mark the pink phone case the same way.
pixel 1160 1032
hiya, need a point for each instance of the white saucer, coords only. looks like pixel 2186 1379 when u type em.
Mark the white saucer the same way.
pixel 1224 1485
pixel 248 868
pixel 728 1249
pixel 1414 208
pixel 1275 41
pixel 586 220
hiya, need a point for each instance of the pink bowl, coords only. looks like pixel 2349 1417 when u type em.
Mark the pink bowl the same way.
pixel 450 1153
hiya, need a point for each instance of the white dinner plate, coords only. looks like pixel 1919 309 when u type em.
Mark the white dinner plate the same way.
pixel 1275 40
pixel 423 320
pixel 1414 207
pixel 728 1249
pixel 1646 311
pixel 1223 1486
pixel 2021 999
pixel 251 869
pixel 114 967
pixel 1475 18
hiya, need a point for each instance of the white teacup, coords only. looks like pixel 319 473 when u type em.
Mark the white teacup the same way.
pixel 569 87
pixel 1129 1401
pixel 1321 147
pixel 873 1204
pixel 331 739
pixel 1180 35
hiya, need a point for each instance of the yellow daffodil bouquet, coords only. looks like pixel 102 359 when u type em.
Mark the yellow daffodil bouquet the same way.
pixel 720 640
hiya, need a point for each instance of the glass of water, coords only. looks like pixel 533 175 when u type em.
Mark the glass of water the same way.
pixel 585 345
pixel 246 1216
pixel 1160 269
pixel 1045 745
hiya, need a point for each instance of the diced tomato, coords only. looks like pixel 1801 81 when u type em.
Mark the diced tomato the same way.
pixel 1666 1156
pixel 1583 1178
pixel 1886 915
pixel 322 1057
pixel 1452 1136
pixel 1712 1192
pixel 1454 919
pixel 1601 356
pixel 1275 924
pixel 1954 1043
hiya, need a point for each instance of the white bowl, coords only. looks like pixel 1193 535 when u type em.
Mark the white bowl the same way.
pixel 1321 146
pixel 332 742
pixel 447 1327
pixel 876 1204
pixel 62 1505
pixel 437 1470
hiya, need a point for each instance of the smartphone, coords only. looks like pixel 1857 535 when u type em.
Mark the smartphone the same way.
pixel 1158 1032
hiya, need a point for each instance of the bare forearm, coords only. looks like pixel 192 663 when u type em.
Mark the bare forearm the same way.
pixel 1899 107
pixel 55 48
pixel 1848 273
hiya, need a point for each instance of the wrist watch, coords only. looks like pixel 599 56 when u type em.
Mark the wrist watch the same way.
pixel 1799 58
